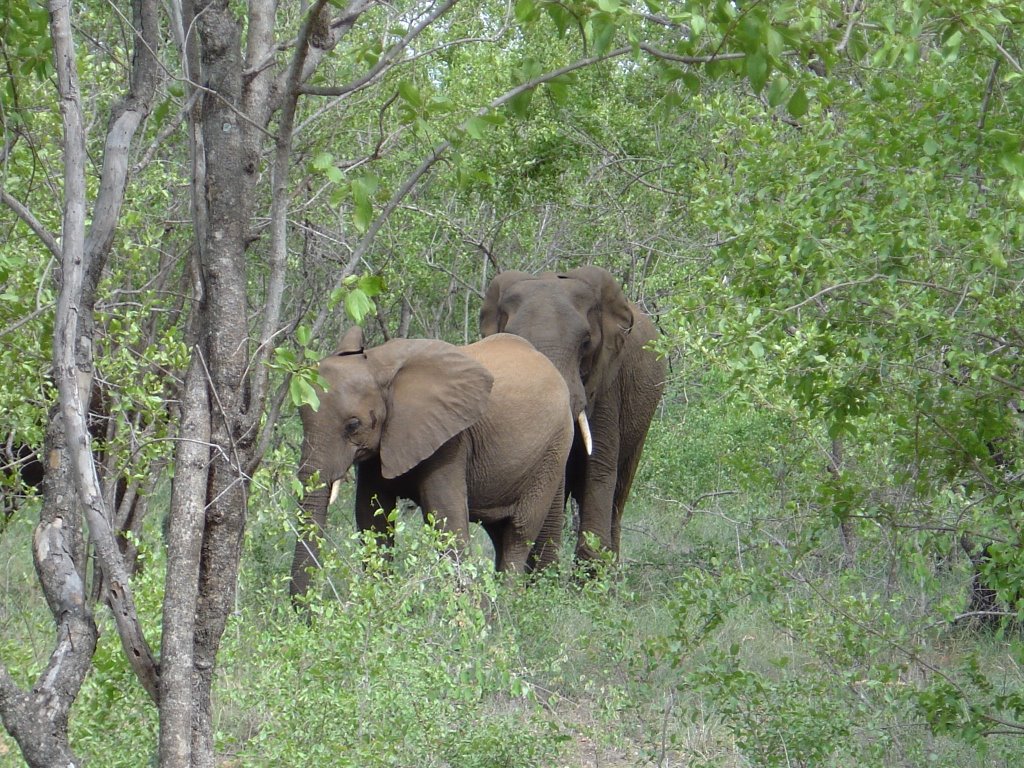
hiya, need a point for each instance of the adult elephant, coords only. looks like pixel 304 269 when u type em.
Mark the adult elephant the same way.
pixel 475 433
pixel 596 338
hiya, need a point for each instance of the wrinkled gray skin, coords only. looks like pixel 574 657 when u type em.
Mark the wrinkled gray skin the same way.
pixel 475 433
pixel 583 323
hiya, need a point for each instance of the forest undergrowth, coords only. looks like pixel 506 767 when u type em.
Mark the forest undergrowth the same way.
pixel 737 631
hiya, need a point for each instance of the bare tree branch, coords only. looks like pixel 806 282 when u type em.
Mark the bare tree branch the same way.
pixel 279 200
pixel 33 223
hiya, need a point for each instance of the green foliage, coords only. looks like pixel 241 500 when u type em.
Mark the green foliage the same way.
pixel 25 39
pixel 304 374
pixel 728 636
pixel 821 205
pixel 358 292
pixel 401 665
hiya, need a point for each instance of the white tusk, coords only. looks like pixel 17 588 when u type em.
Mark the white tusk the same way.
pixel 335 489
pixel 585 432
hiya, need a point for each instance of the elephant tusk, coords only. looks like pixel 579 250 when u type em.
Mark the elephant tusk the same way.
pixel 585 432
pixel 335 489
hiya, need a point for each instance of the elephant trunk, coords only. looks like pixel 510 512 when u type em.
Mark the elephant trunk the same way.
pixel 311 529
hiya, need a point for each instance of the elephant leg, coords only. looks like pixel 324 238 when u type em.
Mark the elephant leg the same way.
pixel 549 540
pixel 623 484
pixel 374 502
pixel 634 424
pixel 515 551
pixel 441 480
pixel 596 501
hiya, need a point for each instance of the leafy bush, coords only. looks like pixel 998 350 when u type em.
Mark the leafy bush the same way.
pixel 405 667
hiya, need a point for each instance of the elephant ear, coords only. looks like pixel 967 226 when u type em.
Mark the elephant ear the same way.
pixel 351 342
pixel 491 318
pixel 613 320
pixel 435 393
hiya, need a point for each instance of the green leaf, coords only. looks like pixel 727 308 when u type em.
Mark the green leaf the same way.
pixel 692 82
pixel 362 192
pixel 668 107
pixel 602 27
pixel 302 392
pixel 777 90
pixel 322 161
pixel 526 10
pixel 371 285
pixel 357 305
pixel 410 94
pixel 560 88
pixel 476 127
pixel 798 104
pixel 519 105
pixel 1012 162
pixel 757 69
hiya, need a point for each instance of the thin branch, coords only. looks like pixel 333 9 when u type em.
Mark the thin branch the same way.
pixel 33 223
pixel 279 203
pixel 387 59
pixel 990 85
pixel 165 133
pixel 832 289
pixel 855 13
pixel 660 54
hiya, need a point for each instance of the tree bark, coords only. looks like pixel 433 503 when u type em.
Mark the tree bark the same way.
pixel 38 719
pixel 222 197
pixel 188 506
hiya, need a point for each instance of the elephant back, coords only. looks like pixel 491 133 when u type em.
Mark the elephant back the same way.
pixel 529 396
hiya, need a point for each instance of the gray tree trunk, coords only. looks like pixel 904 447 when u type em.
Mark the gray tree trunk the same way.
pixel 38 718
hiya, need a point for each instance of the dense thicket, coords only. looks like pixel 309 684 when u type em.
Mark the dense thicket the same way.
pixel 819 202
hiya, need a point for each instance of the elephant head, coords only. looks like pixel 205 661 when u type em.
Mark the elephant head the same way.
pixel 580 320
pixel 398 403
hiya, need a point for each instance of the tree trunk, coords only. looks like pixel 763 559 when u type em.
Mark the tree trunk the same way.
pixel 38 718
pixel 188 505
pixel 221 195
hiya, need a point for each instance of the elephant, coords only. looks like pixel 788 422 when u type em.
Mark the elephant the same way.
pixel 597 339
pixel 475 433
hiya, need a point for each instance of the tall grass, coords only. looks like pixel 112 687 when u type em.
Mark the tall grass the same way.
pixel 731 634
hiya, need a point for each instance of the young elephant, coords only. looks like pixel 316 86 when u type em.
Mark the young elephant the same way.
pixel 476 433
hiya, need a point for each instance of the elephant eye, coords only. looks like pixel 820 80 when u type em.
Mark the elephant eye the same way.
pixel 352 426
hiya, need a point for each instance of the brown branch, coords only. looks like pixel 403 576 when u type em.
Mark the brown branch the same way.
pixel 82 262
